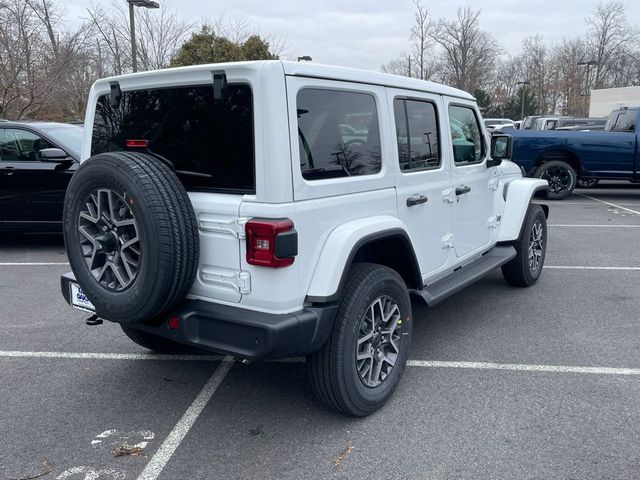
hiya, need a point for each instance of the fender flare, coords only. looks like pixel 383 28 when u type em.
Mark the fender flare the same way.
pixel 519 193
pixel 339 251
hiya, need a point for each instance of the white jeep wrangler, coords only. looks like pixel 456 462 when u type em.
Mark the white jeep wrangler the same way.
pixel 272 209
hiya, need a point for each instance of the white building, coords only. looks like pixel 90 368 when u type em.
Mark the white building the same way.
pixel 604 100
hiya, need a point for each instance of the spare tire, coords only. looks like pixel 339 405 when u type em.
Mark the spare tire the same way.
pixel 131 235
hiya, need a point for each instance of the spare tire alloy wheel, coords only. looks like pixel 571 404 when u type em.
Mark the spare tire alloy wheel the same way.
pixel 379 343
pixel 109 239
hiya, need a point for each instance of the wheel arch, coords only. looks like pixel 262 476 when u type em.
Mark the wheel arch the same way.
pixel 562 154
pixel 390 246
pixel 518 197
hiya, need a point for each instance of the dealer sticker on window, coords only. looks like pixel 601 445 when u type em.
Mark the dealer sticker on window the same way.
pixel 79 300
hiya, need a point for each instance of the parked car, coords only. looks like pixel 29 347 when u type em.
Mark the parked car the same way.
pixel 566 157
pixel 231 214
pixel 528 122
pixel 554 123
pixel 498 123
pixel 37 160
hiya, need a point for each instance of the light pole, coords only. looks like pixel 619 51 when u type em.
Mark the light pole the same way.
pixel 524 83
pixel 588 63
pixel 132 26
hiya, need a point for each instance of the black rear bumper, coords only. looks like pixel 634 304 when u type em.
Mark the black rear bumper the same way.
pixel 240 332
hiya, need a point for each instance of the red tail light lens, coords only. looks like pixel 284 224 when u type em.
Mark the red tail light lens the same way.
pixel 137 143
pixel 271 243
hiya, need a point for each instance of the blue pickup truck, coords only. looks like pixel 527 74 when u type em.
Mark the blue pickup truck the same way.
pixel 566 158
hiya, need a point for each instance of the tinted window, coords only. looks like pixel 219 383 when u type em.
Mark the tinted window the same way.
pixel 417 134
pixel 465 135
pixel 624 121
pixel 20 145
pixel 338 134
pixel 209 143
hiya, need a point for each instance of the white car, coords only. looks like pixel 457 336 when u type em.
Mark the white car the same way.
pixel 499 123
pixel 273 209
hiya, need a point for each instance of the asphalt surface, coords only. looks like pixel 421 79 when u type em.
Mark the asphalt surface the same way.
pixel 64 417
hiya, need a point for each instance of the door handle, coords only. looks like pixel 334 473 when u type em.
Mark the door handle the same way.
pixel 416 199
pixel 6 171
pixel 462 189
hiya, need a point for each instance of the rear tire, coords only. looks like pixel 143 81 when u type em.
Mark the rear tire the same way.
pixel 525 269
pixel 561 176
pixel 360 365
pixel 131 236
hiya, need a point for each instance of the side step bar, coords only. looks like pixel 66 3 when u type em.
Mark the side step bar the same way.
pixel 437 291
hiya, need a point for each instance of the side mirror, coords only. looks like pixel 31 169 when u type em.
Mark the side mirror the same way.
pixel 501 146
pixel 54 155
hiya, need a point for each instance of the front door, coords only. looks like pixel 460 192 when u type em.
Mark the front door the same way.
pixel 471 197
pixel 423 173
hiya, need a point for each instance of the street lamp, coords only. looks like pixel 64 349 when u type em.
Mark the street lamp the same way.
pixel 137 3
pixel 589 64
pixel 524 83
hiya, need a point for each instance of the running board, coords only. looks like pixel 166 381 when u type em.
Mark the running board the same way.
pixel 445 287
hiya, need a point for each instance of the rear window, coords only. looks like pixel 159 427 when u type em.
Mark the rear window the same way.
pixel 209 143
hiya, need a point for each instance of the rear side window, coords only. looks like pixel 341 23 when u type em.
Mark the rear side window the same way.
pixel 466 135
pixel 417 134
pixel 623 122
pixel 209 142
pixel 338 134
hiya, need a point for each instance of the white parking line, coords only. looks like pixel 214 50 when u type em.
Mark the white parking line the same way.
pixel 172 442
pixel 31 264
pixel 611 204
pixel 593 226
pixel 523 367
pixel 111 356
pixel 584 267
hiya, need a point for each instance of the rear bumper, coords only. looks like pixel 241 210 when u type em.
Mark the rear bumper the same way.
pixel 240 332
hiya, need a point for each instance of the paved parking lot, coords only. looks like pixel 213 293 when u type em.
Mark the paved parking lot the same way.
pixel 503 383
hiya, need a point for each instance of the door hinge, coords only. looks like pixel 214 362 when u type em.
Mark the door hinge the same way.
pixel 494 221
pixel 233 226
pixel 493 185
pixel 447 241
pixel 240 281
pixel 449 195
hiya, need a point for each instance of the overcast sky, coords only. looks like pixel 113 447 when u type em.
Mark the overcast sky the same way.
pixel 367 34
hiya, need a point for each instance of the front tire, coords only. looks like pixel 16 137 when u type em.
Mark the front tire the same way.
pixel 525 269
pixel 561 176
pixel 360 365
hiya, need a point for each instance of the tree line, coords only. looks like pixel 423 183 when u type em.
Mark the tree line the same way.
pixel 47 69
pixel 460 53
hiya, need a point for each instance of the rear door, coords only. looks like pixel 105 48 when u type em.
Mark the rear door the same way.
pixel 471 196
pixel 424 174
pixel 210 145
pixel 30 190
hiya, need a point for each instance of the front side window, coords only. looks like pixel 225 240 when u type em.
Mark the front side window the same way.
pixel 338 134
pixel 209 142
pixel 417 134
pixel 466 135
pixel 18 145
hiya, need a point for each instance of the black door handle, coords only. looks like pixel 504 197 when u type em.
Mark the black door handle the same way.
pixel 462 189
pixel 7 171
pixel 416 200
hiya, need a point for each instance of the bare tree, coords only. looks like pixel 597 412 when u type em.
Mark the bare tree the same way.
pixel 610 40
pixel 421 40
pixel 468 53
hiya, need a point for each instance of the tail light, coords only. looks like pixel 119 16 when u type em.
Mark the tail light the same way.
pixel 271 243
pixel 137 143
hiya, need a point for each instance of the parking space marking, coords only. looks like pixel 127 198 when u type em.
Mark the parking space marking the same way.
pixel 523 367
pixel 172 442
pixel 31 264
pixel 593 226
pixel 611 204
pixel 111 356
pixel 585 267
